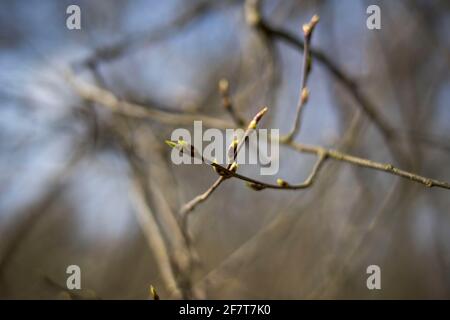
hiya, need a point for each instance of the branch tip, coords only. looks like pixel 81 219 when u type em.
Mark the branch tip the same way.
pixel 308 28
pixel 171 143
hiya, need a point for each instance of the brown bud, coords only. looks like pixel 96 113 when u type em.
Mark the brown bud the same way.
pixel 255 186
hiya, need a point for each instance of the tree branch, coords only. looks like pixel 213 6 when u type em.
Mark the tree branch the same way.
pixel 306 68
pixel 224 89
pixel 256 20
pixel 386 167
pixel 188 207
pixel 232 167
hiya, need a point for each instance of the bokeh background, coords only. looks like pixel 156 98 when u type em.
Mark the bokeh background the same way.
pixel 80 184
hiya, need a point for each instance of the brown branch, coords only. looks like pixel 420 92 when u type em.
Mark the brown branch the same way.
pixel 322 155
pixel 254 18
pixel 386 167
pixel 351 86
pixel 257 21
pixel 281 184
pixel 250 128
pixel 245 252
pixel 227 102
pixel 188 207
pixel 306 68
pixel 232 167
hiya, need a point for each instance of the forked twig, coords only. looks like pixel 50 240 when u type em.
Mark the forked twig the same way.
pixel 386 167
pixel 232 167
pixel 256 20
pixel 321 153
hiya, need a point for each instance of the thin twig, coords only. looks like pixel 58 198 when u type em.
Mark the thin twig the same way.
pixel 232 167
pixel 224 89
pixel 250 128
pixel 256 20
pixel 306 68
pixel 246 251
pixel 188 207
pixel 350 85
pixel 323 154
pixel 281 184
pixel 386 167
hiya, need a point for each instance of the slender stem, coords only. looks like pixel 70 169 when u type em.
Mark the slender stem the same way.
pixel 235 150
pixel 303 95
pixel 250 128
pixel 352 87
pixel 188 207
pixel 259 185
pixel 224 89
pixel 324 154
pixel 386 167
